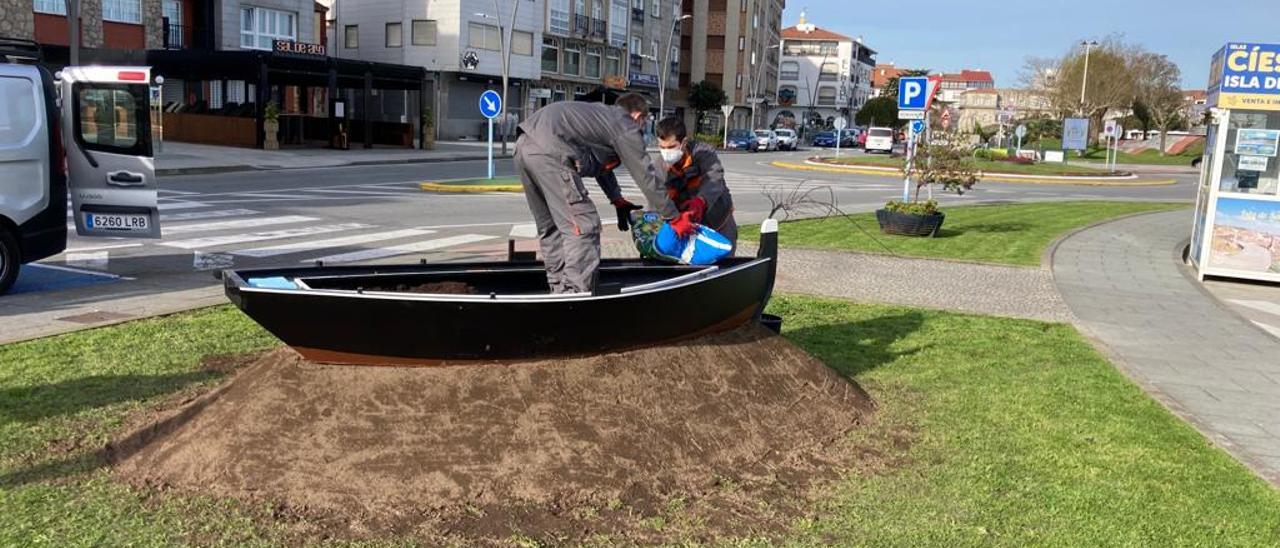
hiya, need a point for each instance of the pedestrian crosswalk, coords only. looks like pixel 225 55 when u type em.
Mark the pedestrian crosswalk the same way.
pixel 215 233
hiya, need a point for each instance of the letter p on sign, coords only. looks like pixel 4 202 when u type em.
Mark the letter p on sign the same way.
pixel 911 93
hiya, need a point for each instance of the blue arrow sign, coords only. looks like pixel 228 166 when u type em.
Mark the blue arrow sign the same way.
pixel 490 104
pixel 917 126
pixel 913 92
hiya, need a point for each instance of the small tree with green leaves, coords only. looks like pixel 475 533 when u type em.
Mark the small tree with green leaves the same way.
pixel 705 96
pixel 943 164
pixel 879 111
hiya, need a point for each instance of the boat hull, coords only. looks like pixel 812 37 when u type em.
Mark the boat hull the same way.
pixel 397 329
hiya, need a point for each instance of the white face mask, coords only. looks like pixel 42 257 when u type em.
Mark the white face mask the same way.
pixel 672 155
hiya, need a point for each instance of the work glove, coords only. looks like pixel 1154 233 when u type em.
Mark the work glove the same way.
pixel 696 207
pixel 624 209
pixel 683 225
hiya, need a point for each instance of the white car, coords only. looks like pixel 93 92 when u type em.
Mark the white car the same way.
pixel 879 139
pixel 786 139
pixel 766 140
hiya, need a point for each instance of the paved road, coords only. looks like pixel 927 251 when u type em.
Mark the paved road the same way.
pixel 377 213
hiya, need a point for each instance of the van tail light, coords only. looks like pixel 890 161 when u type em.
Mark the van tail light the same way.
pixel 60 150
pixel 131 76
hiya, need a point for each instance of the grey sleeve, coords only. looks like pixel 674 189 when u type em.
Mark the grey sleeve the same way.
pixel 608 182
pixel 630 148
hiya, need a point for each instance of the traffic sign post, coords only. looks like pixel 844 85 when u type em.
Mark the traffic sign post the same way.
pixel 1020 131
pixel 914 94
pixel 490 107
pixel 839 124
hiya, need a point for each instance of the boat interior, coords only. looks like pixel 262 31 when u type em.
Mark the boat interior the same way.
pixel 527 279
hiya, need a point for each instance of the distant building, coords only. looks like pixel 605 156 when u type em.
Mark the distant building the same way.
pixel 953 85
pixel 1196 104
pixel 734 44
pixel 882 74
pixel 823 75
pixel 984 106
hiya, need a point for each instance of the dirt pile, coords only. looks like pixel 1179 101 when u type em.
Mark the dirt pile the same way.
pixel 487 450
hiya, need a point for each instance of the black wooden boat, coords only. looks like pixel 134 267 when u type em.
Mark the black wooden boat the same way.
pixel 437 314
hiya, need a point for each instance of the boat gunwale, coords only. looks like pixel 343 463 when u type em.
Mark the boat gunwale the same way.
pixel 239 284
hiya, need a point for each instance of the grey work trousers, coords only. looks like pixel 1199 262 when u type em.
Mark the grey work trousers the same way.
pixel 568 223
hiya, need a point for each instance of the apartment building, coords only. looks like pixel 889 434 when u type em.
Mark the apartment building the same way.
pixel 953 85
pixel 734 44
pixel 823 75
pixel 105 24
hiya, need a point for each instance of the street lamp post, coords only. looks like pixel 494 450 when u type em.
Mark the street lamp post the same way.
pixel 664 68
pixel 756 78
pixel 1084 80
pixel 504 44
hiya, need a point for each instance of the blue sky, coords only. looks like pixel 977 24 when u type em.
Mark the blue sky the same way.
pixel 948 35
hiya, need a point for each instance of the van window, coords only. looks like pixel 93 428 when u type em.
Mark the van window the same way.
pixel 112 118
pixel 880 132
pixel 18 109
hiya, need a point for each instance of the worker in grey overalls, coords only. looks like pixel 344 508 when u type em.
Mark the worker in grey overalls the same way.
pixel 550 153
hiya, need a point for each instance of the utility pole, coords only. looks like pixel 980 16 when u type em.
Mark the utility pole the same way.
pixel 1084 80
pixel 73 30
pixel 664 68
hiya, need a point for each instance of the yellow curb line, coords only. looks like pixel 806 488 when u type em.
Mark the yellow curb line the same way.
pixel 468 189
pixel 986 178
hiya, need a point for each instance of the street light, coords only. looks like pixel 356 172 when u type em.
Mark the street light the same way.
pixel 1084 80
pixel 664 68
pixel 755 80
pixel 504 43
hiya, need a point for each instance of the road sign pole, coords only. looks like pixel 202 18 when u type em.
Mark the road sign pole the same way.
pixel 491 148
pixel 906 180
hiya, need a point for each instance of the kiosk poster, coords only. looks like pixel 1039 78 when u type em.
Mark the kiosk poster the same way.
pixel 1075 133
pixel 1245 76
pixel 1258 142
pixel 1246 236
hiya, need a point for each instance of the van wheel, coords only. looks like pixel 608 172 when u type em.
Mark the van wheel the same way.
pixel 10 260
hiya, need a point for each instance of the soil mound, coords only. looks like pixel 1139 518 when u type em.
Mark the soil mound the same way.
pixel 488 450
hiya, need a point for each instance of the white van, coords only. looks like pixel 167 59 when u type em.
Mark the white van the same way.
pixel 879 139
pixel 97 146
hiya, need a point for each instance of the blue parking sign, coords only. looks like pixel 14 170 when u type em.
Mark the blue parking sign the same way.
pixel 490 104
pixel 913 92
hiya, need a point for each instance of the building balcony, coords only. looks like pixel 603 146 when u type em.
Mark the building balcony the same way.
pixel 637 15
pixel 581 25
pixel 599 29
pixel 175 36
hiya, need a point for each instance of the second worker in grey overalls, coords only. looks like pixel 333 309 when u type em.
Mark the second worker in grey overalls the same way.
pixel 553 144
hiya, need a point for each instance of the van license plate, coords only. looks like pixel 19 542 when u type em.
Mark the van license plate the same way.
pixel 117 222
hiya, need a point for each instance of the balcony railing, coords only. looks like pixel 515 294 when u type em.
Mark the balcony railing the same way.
pixel 637 15
pixel 175 36
pixel 599 29
pixel 581 25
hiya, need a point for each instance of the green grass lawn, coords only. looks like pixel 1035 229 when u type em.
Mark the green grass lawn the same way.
pixel 1016 234
pixel 986 166
pixel 1147 157
pixel 988 431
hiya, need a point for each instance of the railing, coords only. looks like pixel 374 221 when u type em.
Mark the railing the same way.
pixel 174 35
pixel 599 29
pixel 637 15
pixel 637 62
pixel 581 25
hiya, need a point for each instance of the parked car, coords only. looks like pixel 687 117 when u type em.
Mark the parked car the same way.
pixel 105 117
pixel 766 140
pixel 787 139
pixel 824 139
pixel 740 139
pixel 879 139
pixel 848 137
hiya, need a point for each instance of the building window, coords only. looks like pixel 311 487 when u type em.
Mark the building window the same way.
pixel 593 62
pixel 826 96
pixel 521 42
pixel 657 9
pixel 597 9
pixel 259 27
pixel 738 82
pixel 830 71
pixel 122 11
pixel 742 43
pixel 557 94
pixel 612 64
pixel 550 55
pixel 743 7
pixel 755 21
pixel 654 52
pixel 559 17
pixel 789 70
pixel 637 4
pixel 424 32
pixel 351 37
pixel 56 7
pixel 482 36
pixel 395 35
pixel 618 14
pixel 636 48
pixel 572 59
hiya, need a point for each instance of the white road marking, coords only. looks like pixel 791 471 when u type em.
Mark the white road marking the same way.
pixel 174 206
pixel 215 241
pixel 96 260
pixel 1263 306
pixel 404 249
pixel 196 215
pixel 211 261
pixel 469 225
pixel 262 195
pixel 178 192
pixel 1268 328
pixel 79 271
pixel 237 224
pixel 312 245
pixel 528 230
pixel 361 192
pixel 100 248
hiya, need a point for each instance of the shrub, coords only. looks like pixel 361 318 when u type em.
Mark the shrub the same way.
pixel 709 138
pixel 928 207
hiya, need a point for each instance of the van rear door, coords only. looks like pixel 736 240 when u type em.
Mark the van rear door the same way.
pixel 106 117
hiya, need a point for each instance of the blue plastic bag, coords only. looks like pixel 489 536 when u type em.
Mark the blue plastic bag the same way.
pixel 705 246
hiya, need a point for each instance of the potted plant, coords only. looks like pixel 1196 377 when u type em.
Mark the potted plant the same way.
pixel 428 129
pixel 942 164
pixel 271 126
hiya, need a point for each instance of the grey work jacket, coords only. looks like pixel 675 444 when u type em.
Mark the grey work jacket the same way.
pixel 569 131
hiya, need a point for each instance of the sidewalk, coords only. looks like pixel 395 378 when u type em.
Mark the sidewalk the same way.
pixel 190 159
pixel 1125 283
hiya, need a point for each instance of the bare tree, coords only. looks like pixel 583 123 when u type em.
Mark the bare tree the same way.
pixel 1156 88
pixel 1109 85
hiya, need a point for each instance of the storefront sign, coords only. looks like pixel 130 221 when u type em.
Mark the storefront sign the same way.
pixel 642 79
pixel 615 82
pixel 1252 163
pixel 1245 76
pixel 298 48
pixel 540 93
pixel 1258 142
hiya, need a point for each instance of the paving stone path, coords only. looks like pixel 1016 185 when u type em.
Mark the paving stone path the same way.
pixel 1124 282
